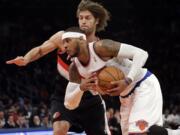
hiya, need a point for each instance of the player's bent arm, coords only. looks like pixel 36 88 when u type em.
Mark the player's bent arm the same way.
pixel 48 46
pixel 110 48
pixel 73 93
pixel 138 56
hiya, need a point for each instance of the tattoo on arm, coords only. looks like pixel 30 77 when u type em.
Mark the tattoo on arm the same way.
pixel 111 47
pixel 73 74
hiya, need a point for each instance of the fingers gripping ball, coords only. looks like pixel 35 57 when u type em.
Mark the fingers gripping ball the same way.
pixel 108 74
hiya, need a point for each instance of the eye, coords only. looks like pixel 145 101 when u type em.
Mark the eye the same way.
pixel 80 17
pixel 67 40
pixel 87 18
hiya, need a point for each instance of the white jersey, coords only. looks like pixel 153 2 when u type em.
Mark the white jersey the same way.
pixel 142 108
pixel 96 63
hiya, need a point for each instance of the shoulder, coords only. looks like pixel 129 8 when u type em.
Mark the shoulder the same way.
pixel 55 39
pixel 57 35
pixel 107 47
pixel 107 44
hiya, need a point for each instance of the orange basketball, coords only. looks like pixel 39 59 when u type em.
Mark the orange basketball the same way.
pixel 108 74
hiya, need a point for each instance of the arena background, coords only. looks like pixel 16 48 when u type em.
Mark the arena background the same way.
pixel 149 24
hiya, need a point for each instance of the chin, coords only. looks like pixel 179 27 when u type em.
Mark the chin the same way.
pixel 85 30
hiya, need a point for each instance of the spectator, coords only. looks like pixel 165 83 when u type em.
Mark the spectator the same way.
pixel 165 118
pixel 11 123
pixel 36 122
pixel 46 122
pixel 2 119
pixel 174 119
pixel 22 122
pixel 113 122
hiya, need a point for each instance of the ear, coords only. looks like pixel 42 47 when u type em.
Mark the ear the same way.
pixel 81 38
pixel 97 21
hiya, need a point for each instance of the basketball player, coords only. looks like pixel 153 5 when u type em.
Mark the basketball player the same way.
pixel 92 17
pixel 140 92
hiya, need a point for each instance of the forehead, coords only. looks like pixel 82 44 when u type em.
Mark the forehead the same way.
pixel 85 13
pixel 67 40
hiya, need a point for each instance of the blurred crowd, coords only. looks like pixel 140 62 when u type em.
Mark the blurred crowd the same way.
pixel 23 113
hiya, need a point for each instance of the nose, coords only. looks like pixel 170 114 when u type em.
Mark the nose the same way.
pixel 83 21
pixel 65 45
pixel 62 48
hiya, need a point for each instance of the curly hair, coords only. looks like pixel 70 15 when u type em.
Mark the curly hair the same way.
pixel 97 10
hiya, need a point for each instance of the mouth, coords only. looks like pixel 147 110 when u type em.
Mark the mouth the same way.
pixel 62 51
pixel 68 55
pixel 67 51
pixel 84 27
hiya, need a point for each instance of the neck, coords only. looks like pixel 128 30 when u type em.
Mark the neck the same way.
pixel 91 37
pixel 84 54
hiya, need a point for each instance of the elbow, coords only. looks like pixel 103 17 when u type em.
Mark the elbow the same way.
pixel 70 106
pixel 146 55
pixel 142 56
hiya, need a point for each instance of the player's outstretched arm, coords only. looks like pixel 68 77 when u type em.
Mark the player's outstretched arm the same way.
pixel 48 46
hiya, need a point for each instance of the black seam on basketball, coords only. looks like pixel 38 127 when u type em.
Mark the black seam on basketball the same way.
pixel 110 75
pixel 104 80
pixel 118 73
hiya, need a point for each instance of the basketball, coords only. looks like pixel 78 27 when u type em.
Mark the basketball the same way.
pixel 108 74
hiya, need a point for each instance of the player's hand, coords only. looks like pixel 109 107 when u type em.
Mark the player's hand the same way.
pixel 19 61
pixel 99 90
pixel 88 83
pixel 118 87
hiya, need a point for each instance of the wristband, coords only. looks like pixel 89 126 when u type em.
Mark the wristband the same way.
pixel 128 80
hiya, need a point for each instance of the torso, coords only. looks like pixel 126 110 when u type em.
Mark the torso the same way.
pixel 95 63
